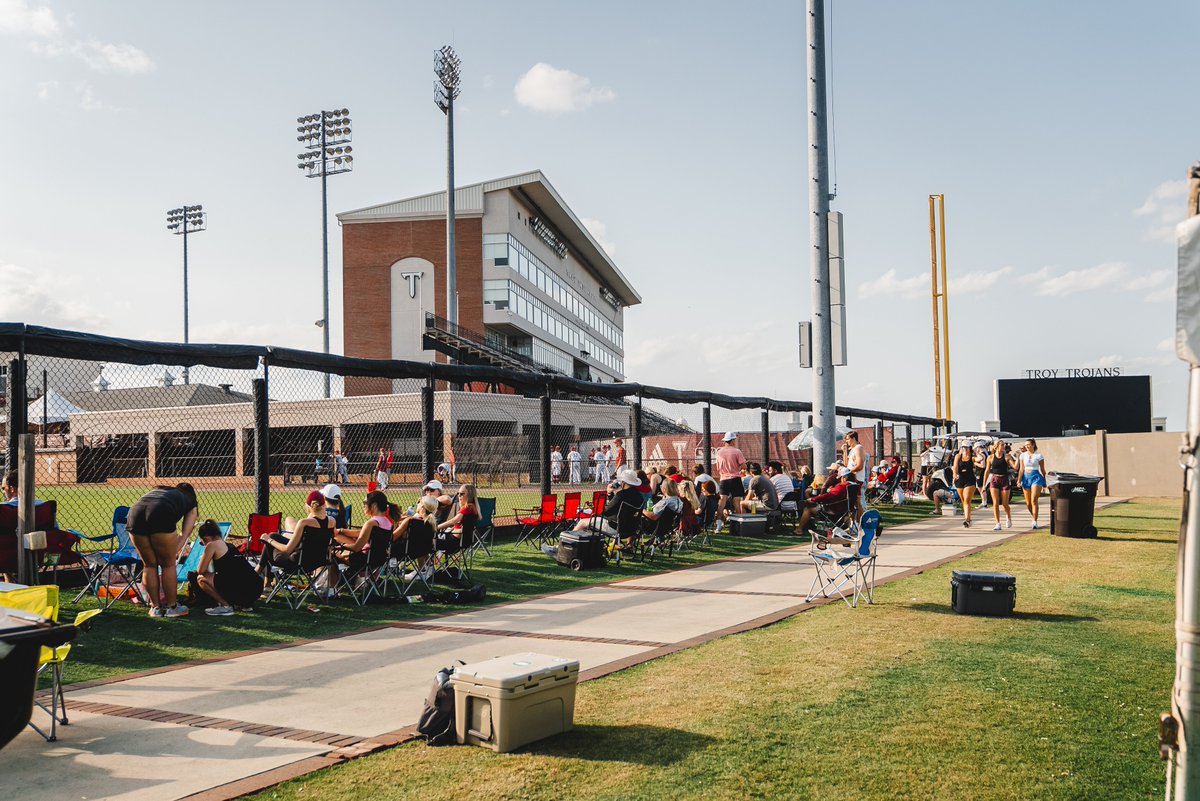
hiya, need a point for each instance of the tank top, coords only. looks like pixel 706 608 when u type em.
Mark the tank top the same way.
pixel 383 522
pixel 999 465
pixel 966 467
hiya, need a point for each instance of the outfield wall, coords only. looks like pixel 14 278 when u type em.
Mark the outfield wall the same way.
pixel 1131 464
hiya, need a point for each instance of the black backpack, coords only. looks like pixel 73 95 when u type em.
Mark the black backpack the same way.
pixel 437 716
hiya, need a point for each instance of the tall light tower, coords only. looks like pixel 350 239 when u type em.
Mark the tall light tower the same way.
pixel 183 221
pixel 446 65
pixel 325 137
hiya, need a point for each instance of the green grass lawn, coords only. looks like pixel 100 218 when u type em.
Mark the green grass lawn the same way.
pixel 901 700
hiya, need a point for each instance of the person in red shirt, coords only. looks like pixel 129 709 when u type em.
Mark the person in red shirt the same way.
pixel 620 450
pixel 834 503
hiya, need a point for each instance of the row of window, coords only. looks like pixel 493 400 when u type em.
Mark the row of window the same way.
pixel 506 294
pixel 506 251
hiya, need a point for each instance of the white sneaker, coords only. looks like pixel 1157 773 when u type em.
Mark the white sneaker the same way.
pixel 1008 523
pixel 155 611
pixel 1035 525
pixel 222 611
pixel 178 610
pixel 996 527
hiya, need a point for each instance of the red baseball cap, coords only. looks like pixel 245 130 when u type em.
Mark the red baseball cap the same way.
pixel 313 497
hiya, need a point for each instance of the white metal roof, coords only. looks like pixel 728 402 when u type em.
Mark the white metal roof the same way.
pixel 468 202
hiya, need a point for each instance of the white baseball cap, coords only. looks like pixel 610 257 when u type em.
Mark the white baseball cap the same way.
pixel 332 491
pixel 730 436
pixel 434 485
pixel 844 471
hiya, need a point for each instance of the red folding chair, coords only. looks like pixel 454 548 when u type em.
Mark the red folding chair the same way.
pixel 260 526
pixel 596 507
pixel 535 521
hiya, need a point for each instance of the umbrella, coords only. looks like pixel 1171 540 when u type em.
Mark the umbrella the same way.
pixel 54 409
pixel 805 438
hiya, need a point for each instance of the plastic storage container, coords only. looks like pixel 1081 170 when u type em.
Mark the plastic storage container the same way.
pixel 748 525
pixel 1073 504
pixel 975 593
pixel 510 701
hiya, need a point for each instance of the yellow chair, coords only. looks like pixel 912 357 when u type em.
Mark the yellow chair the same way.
pixel 43 601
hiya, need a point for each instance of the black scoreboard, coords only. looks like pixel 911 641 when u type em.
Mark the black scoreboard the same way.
pixel 1046 407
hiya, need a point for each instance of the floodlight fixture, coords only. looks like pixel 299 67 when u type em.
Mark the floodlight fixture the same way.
pixel 325 137
pixel 185 220
pixel 447 66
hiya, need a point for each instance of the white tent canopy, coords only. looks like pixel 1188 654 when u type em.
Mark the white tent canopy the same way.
pixel 54 409
pixel 805 438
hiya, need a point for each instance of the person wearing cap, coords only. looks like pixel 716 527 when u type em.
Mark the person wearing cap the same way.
pixel 834 503
pixel 619 462
pixel 381 476
pixel 334 505
pixel 625 494
pixel 280 549
pixel 342 464
pixel 574 459
pixel 730 460
pixel 556 463
pixel 436 489
pixel 605 461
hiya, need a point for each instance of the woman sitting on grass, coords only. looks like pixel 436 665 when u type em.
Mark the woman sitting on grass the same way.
pixel 223 574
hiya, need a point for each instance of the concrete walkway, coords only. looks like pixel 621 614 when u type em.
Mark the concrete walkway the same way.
pixel 235 725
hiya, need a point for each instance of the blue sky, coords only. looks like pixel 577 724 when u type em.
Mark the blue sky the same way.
pixel 1059 133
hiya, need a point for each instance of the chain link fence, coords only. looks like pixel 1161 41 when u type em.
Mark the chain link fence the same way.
pixel 250 428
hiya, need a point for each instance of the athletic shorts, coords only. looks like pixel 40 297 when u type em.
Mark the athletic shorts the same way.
pixel 733 487
pixel 149 517
pixel 999 482
pixel 1031 480
pixel 965 480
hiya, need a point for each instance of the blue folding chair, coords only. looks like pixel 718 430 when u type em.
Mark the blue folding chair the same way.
pixel 485 531
pixel 192 562
pixel 848 573
pixel 120 565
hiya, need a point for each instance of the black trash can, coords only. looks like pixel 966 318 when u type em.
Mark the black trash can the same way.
pixel 1073 505
pixel 22 636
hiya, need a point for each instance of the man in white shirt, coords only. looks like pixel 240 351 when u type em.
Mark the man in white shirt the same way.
pixel 607 460
pixel 574 459
pixel 857 461
pixel 781 480
pixel 556 460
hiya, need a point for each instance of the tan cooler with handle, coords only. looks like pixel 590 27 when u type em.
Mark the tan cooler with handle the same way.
pixel 510 701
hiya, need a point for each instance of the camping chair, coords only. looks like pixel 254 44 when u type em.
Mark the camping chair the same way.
pixel 535 521
pixel 708 518
pixel 121 566
pixel 295 579
pixel 689 527
pixel 196 550
pixel 359 576
pixel 455 554
pixel 410 555
pixel 569 515
pixel 43 601
pixel 257 527
pixel 658 535
pixel 596 515
pixel 485 530
pixel 883 491
pixel 848 572
pixel 628 531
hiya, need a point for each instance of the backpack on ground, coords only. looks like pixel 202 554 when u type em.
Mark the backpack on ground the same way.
pixel 437 715
pixel 471 595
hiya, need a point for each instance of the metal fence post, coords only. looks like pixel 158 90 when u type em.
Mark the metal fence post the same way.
pixel 879 454
pixel 707 438
pixel 637 433
pixel 26 516
pixel 908 438
pixel 262 447
pixel 16 408
pixel 766 435
pixel 544 443
pixel 428 449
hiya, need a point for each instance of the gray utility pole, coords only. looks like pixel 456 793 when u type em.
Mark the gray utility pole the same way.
pixel 1177 731
pixel 824 445
pixel 446 66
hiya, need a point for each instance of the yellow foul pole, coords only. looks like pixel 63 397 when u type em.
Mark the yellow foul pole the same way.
pixel 945 304
pixel 933 288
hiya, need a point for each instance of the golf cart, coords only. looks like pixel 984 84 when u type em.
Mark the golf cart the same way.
pixel 946 445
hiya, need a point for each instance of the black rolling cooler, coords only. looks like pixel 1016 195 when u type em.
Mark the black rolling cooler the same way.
pixel 580 550
pixel 974 593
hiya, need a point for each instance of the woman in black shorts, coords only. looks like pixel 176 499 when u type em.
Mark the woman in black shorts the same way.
pixel 224 574
pixel 154 520
pixel 964 479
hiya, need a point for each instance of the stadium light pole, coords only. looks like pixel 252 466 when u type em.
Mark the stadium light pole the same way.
pixel 446 66
pixel 183 221
pixel 325 137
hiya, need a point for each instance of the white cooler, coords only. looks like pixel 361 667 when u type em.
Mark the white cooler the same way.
pixel 507 702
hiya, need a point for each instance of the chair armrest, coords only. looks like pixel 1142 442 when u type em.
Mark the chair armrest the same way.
pixel 98 538
pixel 86 615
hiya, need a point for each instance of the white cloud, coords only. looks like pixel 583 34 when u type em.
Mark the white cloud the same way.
pixel 107 57
pixel 17 18
pixel 547 88
pixel 1164 209
pixel 39 299
pixel 45 89
pixel 918 286
pixel 488 81
pixel 88 100
pixel 1075 281
pixel 600 232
